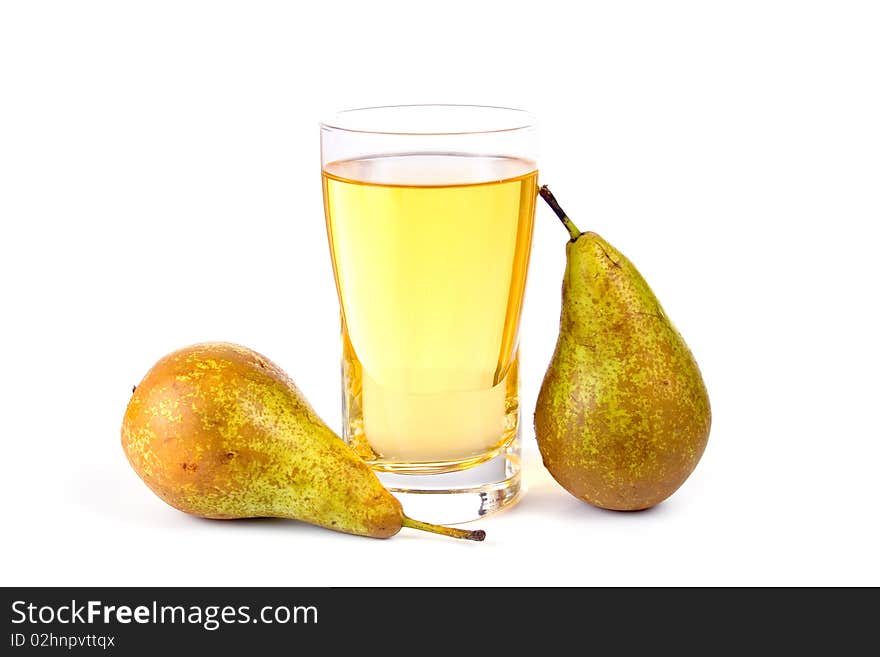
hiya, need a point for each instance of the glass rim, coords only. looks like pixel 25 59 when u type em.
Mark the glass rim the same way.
pixel 337 120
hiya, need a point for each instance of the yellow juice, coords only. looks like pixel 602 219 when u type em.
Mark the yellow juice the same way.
pixel 430 254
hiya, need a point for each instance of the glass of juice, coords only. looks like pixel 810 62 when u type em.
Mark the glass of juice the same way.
pixel 429 212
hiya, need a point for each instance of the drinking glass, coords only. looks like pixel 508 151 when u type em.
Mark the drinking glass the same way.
pixel 429 212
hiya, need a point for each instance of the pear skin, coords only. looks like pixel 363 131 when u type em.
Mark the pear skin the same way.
pixel 219 431
pixel 623 415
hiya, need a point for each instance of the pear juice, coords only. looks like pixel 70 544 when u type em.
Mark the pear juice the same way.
pixel 430 253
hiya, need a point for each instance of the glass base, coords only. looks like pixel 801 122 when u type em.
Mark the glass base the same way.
pixel 455 497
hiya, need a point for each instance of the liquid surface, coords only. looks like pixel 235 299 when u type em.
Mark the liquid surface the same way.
pixel 430 254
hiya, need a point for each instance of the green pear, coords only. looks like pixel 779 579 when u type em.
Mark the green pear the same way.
pixel 623 415
pixel 219 431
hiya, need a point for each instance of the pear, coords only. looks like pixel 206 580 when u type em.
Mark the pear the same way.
pixel 623 415
pixel 219 431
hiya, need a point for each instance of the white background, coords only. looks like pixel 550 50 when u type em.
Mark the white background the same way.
pixel 159 186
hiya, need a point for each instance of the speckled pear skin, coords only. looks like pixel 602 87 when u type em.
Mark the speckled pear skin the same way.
pixel 219 431
pixel 623 414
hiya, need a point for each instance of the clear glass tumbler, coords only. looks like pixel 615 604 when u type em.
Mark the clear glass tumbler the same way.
pixel 429 212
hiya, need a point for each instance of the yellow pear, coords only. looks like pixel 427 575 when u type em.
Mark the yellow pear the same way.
pixel 219 431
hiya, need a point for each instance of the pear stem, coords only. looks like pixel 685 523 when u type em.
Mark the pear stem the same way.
pixel 469 534
pixel 547 195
